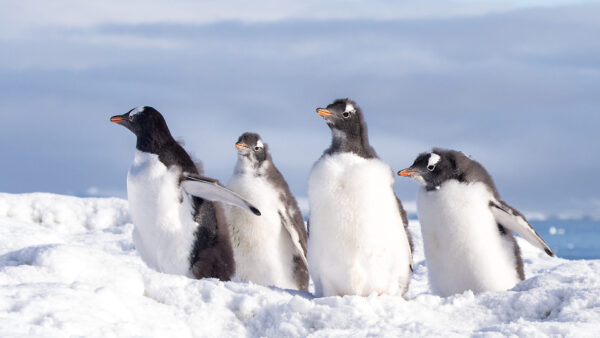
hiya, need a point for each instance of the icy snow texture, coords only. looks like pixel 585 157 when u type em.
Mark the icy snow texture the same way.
pixel 68 267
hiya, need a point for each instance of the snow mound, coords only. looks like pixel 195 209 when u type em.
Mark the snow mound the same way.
pixel 65 213
pixel 68 267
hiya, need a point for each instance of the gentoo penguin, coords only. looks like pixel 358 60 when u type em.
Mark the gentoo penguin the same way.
pixel 467 228
pixel 271 249
pixel 358 243
pixel 178 228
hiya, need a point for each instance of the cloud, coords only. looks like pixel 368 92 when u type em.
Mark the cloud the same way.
pixel 19 19
pixel 516 88
pixel 24 16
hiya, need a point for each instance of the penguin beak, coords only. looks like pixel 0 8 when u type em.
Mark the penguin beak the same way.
pixel 122 120
pixel 324 112
pixel 117 119
pixel 407 172
pixel 240 145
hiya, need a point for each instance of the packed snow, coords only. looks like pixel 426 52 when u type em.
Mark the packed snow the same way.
pixel 68 267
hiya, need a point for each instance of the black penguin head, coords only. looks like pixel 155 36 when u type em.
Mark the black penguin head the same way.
pixel 250 146
pixel 147 124
pixel 434 168
pixel 343 116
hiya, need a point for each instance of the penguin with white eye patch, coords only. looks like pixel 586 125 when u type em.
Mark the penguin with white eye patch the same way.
pixel 358 243
pixel 467 229
pixel 271 249
pixel 178 227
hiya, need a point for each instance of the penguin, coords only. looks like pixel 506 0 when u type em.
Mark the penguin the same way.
pixel 178 227
pixel 358 243
pixel 269 250
pixel 467 229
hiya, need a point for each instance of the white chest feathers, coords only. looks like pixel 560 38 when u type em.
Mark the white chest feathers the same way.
pixel 161 213
pixel 464 249
pixel 357 242
pixel 263 249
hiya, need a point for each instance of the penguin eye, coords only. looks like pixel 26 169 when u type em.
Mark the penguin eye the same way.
pixel 257 148
pixel 346 115
pixel 431 167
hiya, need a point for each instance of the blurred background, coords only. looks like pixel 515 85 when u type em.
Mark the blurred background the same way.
pixel 515 84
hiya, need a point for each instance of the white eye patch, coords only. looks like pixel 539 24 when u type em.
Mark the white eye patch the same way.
pixel 349 108
pixel 137 110
pixel 433 159
pixel 259 144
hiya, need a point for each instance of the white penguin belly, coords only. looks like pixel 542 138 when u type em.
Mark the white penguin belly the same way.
pixel 163 223
pixel 357 243
pixel 262 248
pixel 464 249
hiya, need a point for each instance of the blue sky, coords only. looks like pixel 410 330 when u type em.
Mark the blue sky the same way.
pixel 515 84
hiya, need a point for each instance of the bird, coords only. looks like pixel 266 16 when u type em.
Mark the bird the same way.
pixel 269 250
pixel 358 241
pixel 467 228
pixel 178 226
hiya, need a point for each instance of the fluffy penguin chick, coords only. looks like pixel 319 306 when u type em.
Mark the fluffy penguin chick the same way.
pixel 271 249
pixel 178 229
pixel 467 228
pixel 358 242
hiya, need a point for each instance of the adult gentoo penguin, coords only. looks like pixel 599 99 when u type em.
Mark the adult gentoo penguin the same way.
pixel 358 243
pixel 467 228
pixel 178 227
pixel 271 249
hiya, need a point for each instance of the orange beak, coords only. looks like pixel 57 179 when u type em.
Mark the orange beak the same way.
pixel 117 119
pixel 407 172
pixel 240 145
pixel 324 112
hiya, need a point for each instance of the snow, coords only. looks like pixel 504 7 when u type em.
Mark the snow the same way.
pixel 68 267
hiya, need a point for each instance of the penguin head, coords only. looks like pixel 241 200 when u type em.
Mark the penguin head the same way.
pixel 434 168
pixel 148 125
pixel 142 121
pixel 250 146
pixel 343 116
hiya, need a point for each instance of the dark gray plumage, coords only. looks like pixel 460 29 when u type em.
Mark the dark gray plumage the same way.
pixel 254 164
pixel 349 130
pixel 359 243
pixel 455 165
pixel 210 253
pixel 349 135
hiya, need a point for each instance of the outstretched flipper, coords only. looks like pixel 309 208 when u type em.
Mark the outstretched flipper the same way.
pixel 515 221
pixel 210 189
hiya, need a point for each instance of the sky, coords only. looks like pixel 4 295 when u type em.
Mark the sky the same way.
pixel 515 84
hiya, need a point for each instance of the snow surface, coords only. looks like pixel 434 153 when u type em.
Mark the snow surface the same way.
pixel 68 267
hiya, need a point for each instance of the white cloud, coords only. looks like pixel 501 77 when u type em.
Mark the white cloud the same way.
pixel 501 87
pixel 18 18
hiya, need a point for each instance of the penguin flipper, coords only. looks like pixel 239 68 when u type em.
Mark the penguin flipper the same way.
pixel 294 236
pixel 408 235
pixel 512 219
pixel 210 189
